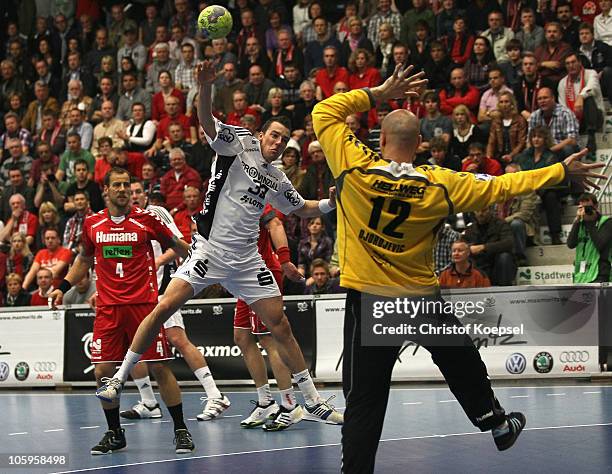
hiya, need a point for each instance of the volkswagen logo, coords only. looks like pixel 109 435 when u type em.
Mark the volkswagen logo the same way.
pixel 4 371
pixel 574 356
pixel 516 363
pixel 45 366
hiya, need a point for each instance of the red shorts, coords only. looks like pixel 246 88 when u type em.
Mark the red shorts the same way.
pixel 245 318
pixel 114 329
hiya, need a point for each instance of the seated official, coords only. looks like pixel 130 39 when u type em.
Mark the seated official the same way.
pixel 591 236
pixel 461 273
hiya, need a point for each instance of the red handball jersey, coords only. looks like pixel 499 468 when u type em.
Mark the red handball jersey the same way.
pixel 123 256
pixel 264 242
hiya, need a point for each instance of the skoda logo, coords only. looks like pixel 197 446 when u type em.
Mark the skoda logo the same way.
pixel 45 367
pixel 574 356
pixel 516 363
pixel 22 370
pixel 543 362
pixel 4 371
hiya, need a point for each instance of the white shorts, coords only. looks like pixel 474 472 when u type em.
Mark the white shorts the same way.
pixel 245 276
pixel 176 320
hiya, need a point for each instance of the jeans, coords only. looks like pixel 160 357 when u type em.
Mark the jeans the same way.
pixel 519 232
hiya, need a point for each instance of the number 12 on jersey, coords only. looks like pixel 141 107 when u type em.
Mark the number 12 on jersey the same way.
pixel 400 209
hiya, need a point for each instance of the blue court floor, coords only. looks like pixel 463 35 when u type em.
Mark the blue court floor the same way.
pixel 569 430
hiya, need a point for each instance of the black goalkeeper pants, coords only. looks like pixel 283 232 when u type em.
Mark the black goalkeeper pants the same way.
pixel 366 380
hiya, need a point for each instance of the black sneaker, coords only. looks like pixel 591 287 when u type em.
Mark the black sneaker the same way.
pixel 111 442
pixel 182 440
pixel 516 423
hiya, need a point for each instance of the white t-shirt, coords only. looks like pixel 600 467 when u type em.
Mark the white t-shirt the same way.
pixel 241 184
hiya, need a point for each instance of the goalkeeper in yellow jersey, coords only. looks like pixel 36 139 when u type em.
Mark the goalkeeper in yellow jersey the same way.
pixel 389 213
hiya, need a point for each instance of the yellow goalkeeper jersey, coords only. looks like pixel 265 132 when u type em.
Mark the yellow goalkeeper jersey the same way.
pixel 389 213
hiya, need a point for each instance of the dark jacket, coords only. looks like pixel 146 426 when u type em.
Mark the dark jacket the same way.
pixel 496 235
pixel 600 57
pixel 22 299
pixel 310 183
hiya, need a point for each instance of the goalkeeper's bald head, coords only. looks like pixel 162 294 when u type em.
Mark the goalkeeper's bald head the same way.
pixel 399 136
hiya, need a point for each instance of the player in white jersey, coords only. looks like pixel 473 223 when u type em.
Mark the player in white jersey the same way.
pixel 147 406
pixel 225 248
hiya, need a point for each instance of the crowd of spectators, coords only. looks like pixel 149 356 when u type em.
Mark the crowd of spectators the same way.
pixel 86 85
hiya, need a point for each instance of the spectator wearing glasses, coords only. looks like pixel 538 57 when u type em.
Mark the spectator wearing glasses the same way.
pixel 16 159
pixel 477 162
pixel 560 120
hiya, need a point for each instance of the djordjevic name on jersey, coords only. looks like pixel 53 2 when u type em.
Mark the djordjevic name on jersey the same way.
pixel 242 183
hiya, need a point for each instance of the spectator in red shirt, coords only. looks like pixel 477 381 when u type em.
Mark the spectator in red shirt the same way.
pixel 174 182
pixel 44 280
pixel 551 55
pixel 327 77
pixel 460 42
pixel 55 257
pixel 363 72
pixel 21 220
pixel 241 108
pixel 158 104
pixel 459 92
pixel 478 163
pixel 192 200
pixel 174 115
pixel 461 273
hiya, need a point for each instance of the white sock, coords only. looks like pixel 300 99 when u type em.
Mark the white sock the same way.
pixel 309 392
pixel 264 396
pixel 501 429
pixel 208 382
pixel 146 391
pixel 288 398
pixel 129 361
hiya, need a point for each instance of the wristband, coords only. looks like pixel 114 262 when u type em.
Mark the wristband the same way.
pixel 283 255
pixel 325 206
pixel 64 286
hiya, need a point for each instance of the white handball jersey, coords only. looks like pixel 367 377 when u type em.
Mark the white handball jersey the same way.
pixel 163 272
pixel 241 184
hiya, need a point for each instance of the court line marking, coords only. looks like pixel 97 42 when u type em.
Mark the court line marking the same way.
pixel 555 394
pixel 412 403
pixel 88 427
pixel 229 416
pixel 53 431
pixel 592 392
pixel 160 421
pixel 17 434
pixel 188 393
pixel 446 401
pixel 292 448
pixel 519 396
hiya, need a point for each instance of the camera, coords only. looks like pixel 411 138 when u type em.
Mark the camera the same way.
pixel 51 178
pixel 589 210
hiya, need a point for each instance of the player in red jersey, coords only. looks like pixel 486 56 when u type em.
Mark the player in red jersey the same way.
pixel 117 240
pixel 248 328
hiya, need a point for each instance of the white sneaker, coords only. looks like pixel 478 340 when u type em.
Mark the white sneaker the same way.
pixel 260 414
pixel 324 412
pixel 214 407
pixel 141 411
pixel 285 418
pixel 110 391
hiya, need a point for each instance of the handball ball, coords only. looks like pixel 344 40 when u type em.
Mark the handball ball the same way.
pixel 215 22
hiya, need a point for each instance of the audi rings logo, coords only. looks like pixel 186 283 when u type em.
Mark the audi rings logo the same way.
pixel 45 367
pixel 516 363
pixel 574 356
